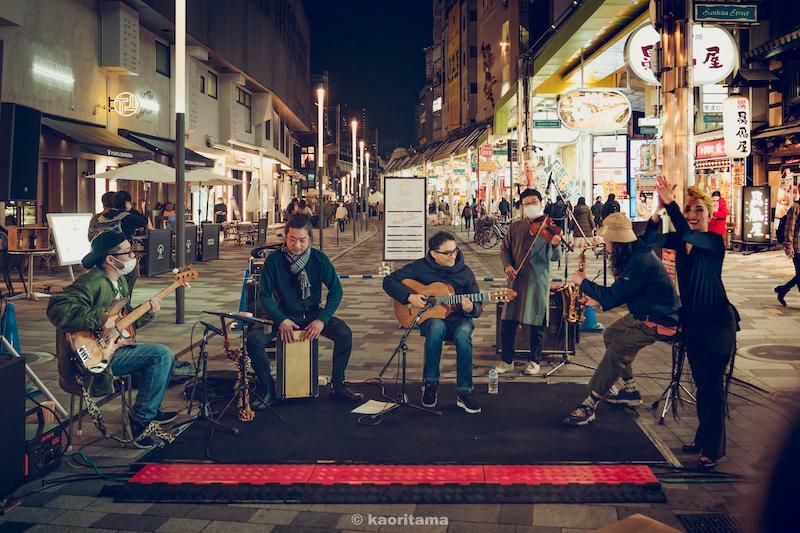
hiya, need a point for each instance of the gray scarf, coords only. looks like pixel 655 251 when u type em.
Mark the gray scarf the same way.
pixel 297 265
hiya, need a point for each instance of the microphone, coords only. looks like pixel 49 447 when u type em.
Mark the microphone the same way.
pixel 215 329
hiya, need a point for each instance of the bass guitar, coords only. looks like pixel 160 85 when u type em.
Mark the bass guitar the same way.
pixel 94 349
pixel 446 300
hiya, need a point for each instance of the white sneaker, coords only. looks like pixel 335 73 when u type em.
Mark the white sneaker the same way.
pixel 531 369
pixel 502 367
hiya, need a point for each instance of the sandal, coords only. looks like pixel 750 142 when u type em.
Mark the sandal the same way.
pixel 706 463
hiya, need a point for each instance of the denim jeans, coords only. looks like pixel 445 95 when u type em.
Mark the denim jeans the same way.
pixel 336 330
pixel 457 329
pixel 153 363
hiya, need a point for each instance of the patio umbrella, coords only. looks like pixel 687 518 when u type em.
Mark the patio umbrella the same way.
pixel 376 197
pixel 142 171
pixel 203 177
pixel 253 203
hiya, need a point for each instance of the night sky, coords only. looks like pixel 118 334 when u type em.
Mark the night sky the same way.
pixel 372 51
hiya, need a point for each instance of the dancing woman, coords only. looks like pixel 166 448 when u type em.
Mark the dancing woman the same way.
pixel 708 320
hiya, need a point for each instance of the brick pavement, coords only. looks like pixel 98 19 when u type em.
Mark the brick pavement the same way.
pixel 752 427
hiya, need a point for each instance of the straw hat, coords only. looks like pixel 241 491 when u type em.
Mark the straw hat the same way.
pixel 617 227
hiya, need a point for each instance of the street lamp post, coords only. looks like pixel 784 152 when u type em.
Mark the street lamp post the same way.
pixel 366 189
pixel 180 139
pixel 354 125
pixel 361 177
pixel 320 162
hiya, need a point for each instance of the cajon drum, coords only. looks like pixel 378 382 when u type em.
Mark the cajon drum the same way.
pixel 297 368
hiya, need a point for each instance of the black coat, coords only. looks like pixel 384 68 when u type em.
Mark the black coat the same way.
pixel 427 271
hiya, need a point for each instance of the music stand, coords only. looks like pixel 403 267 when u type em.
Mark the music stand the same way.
pixel 204 414
pixel 402 348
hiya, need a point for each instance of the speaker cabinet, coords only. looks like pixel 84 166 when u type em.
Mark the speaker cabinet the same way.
pixel 558 335
pixel 20 127
pixel 12 422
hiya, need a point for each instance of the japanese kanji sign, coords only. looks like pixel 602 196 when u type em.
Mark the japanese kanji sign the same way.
pixel 736 124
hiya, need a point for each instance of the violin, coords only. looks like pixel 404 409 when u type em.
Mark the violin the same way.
pixel 545 228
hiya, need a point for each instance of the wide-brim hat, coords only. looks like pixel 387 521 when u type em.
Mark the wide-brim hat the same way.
pixel 617 227
pixel 102 246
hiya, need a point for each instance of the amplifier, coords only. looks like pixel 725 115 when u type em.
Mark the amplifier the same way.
pixel 42 449
pixel 12 423
pixel 557 337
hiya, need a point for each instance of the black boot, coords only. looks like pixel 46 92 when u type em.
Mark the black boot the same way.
pixel 781 291
pixel 269 396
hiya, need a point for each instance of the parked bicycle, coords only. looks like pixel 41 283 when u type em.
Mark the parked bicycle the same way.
pixel 489 232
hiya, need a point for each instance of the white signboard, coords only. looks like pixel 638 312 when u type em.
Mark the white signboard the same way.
pixel 713 51
pixel 404 212
pixel 594 110
pixel 736 124
pixel 639 52
pixel 70 234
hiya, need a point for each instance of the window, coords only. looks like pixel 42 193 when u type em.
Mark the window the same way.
pixel 245 99
pixel 473 88
pixel 202 85
pixel 162 59
pixel 211 85
pixel 268 130
pixel 464 58
pixel 473 51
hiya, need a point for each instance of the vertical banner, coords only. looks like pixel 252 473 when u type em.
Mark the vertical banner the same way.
pixel 736 123
pixel 755 213
pixel 404 236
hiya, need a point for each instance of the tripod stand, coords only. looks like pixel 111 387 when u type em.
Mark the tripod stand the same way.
pixel 672 394
pixel 204 414
pixel 402 348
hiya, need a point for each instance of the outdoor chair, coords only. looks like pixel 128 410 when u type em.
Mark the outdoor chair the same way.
pixel 122 386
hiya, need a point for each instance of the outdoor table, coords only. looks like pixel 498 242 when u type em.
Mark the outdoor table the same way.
pixel 31 255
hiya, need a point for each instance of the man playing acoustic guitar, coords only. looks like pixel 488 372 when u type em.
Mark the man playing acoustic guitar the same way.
pixel 84 305
pixel 444 263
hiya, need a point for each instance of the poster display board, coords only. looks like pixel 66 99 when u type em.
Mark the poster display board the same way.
pixel 404 212
pixel 755 213
pixel 71 236
pixel 159 252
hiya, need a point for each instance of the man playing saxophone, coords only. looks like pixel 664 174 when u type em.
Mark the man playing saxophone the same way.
pixel 641 283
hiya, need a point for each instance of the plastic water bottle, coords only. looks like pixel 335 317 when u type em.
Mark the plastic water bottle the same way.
pixel 493 381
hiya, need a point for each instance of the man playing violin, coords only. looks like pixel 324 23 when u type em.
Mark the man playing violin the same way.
pixel 526 257
pixel 444 263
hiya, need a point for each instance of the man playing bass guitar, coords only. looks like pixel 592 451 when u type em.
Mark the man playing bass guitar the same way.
pixel 443 263
pixel 84 305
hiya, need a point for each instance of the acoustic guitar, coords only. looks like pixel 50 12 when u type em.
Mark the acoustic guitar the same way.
pixel 95 349
pixel 446 300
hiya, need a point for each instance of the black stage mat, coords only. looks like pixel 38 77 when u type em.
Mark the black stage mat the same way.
pixel 520 425
pixel 386 494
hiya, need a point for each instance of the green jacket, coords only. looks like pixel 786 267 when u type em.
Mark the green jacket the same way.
pixel 84 306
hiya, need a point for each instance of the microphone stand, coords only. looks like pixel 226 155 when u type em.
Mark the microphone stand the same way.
pixel 204 414
pixel 402 348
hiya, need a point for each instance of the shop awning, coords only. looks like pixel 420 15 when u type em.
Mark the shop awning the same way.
pixel 717 162
pixel 95 139
pixel 750 77
pixel 457 140
pixel 166 147
pixel 472 140
pixel 789 128
pixel 774 47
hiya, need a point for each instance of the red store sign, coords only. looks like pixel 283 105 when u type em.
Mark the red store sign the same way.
pixel 710 149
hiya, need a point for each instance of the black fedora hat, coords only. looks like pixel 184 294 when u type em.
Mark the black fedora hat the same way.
pixel 102 246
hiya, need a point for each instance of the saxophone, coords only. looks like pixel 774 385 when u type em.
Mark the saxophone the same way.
pixel 242 387
pixel 576 302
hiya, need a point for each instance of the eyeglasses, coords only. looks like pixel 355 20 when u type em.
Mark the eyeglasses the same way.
pixel 449 253
pixel 130 253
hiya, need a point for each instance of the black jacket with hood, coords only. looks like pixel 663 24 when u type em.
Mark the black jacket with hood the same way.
pixel 427 271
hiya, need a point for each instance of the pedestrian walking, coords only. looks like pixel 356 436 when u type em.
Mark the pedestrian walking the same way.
pixel 466 214
pixel 791 246
pixel 597 211
pixel 582 226
pixel 611 206
pixel 341 216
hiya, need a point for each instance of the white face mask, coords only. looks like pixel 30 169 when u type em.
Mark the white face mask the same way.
pixel 532 210
pixel 127 267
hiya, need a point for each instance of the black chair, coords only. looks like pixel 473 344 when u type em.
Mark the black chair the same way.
pixel 9 262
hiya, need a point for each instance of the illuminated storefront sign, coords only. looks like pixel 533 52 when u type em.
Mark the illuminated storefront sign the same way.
pixel 736 123
pixel 710 149
pixel 639 52
pixel 713 50
pixel 437 104
pixel 594 110
pixel 755 225
pixel 128 104
pixel 53 74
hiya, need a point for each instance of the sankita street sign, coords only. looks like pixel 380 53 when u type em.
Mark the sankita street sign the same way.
pixel 706 12
pixel 546 123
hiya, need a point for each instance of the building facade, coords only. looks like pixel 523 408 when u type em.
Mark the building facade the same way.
pixel 247 85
